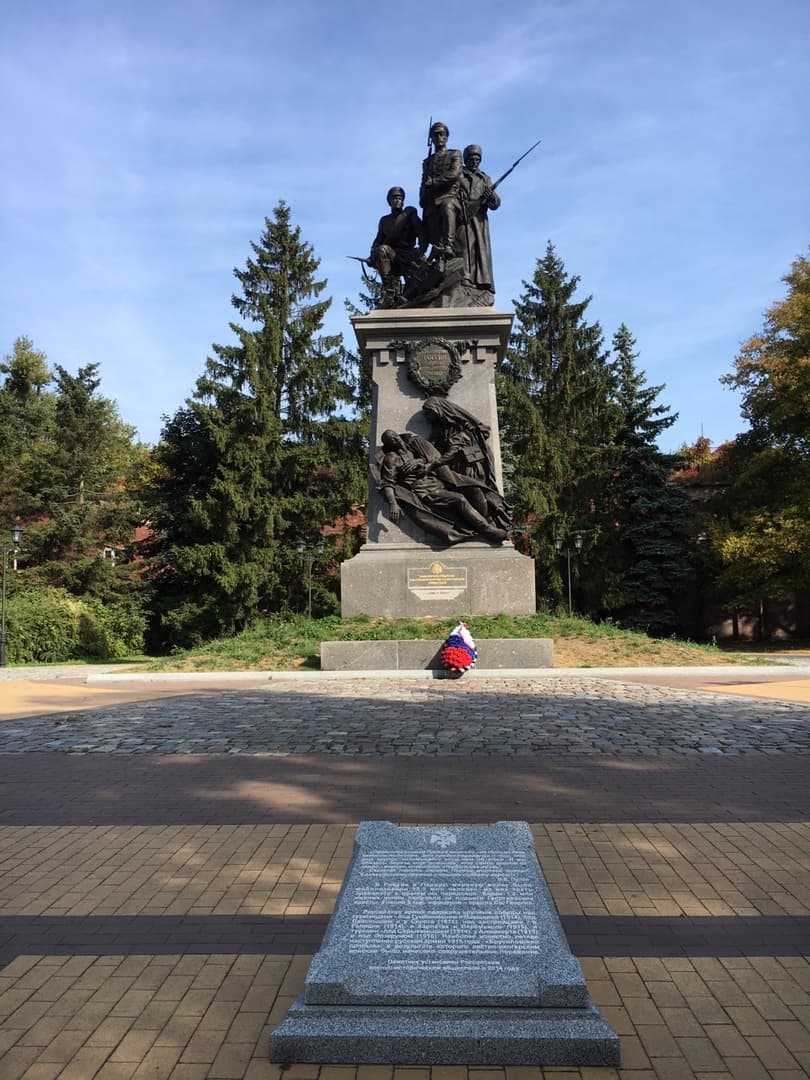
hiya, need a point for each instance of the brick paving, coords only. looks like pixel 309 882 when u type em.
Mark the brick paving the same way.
pixel 159 907
pixel 147 789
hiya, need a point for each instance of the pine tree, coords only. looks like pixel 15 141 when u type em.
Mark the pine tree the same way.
pixel 646 533
pixel 556 419
pixel 259 457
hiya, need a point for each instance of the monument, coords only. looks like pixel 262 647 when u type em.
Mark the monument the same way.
pixel 439 527
pixel 445 948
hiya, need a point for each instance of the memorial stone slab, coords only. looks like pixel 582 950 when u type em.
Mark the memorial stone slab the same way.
pixel 445 947
pixel 494 654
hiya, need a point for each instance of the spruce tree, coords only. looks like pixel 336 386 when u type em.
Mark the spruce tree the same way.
pixel 68 458
pixel 260 456
pixel 646 523
pixel 87 474
pixel 26 430
pixel 93 445
pixel 556 420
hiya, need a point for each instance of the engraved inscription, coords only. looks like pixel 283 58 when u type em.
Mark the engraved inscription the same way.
pixel 431 863
pixel 437 582
pixel 444 910
pixel 434 363
pixel 478 932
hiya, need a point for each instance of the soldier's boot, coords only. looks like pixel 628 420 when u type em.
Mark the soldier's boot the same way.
pixel 484 526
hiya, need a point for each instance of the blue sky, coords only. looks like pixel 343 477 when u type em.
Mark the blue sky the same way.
pixel 145 143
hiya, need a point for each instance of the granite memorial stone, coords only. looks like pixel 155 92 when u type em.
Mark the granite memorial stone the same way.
pixel 445 947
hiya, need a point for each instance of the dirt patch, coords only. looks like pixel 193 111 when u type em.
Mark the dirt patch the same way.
pixel 605 652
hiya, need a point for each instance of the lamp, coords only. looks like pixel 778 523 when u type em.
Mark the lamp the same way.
pixel 564 548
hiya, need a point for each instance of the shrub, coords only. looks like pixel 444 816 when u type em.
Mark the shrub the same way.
pixel 113 630
pixel 48 625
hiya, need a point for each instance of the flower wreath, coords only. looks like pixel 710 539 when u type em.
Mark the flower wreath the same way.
pixel 459 652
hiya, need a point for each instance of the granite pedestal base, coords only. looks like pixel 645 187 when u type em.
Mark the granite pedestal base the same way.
pixel 341 1035
pixel 406 580
pixel 445 948
pixel 494 654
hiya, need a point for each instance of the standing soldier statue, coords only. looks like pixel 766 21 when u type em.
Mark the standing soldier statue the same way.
pixel 478 197
pixel 439 195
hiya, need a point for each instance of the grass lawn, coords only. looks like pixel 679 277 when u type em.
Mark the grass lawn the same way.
pixel 276 643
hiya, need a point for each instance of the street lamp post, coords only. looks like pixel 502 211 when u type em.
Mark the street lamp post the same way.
pixel 310 553
pixel 558 544
pixel 16 533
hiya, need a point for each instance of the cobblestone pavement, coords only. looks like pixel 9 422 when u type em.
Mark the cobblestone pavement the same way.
pixel 402 717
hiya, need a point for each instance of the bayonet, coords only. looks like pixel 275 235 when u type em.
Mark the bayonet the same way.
pixel 516 163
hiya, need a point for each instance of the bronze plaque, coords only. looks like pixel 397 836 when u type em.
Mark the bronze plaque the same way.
pixel 434 364
pixel 437 581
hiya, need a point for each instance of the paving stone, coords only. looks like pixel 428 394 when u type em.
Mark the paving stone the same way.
pixel 579 715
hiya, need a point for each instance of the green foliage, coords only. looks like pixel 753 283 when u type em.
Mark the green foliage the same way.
pixel 369 299
pixel 71 473
pixel 93 447
pixel 48 625
pixel 260 456
pixel 61 448
pixel 556 420
pixel 26 430
pixel 773 368
pixel 761 522
pixel 118 628
pixel 26 370
pixel 646 531
pixel 579 434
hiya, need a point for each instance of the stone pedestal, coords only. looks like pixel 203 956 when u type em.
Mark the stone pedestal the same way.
pixel 445 948
pixel 404 580
pixel 403 570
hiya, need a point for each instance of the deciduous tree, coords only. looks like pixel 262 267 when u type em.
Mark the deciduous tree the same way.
pixel 762 523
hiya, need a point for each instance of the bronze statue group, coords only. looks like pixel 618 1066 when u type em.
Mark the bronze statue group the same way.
pixel 455 197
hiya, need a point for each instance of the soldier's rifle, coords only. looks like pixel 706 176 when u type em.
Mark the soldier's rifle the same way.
pixel 363 264
pixel 476 204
